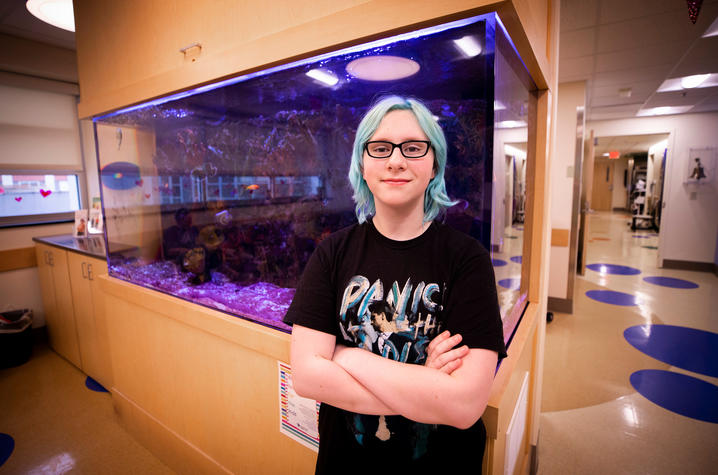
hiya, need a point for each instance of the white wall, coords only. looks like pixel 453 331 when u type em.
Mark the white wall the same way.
pixel 571 96
pixel 498 207
pixel 689 227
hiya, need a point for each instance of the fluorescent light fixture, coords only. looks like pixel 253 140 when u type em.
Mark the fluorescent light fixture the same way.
pixel 325 77
pixel 606 154
pixel 383 68
pixel 689 82
pixel 666 110
pixel 686 82
pixel 55 12
pixel 498 106
pixel 510 124
pixel 469 46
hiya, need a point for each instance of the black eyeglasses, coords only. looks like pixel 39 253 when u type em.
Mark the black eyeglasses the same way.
pixel 411 149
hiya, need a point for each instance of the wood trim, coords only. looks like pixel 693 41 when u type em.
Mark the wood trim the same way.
pixel 270 342
pixel 560 237
pixel 162 441
pixel 502 380
pixel 20 258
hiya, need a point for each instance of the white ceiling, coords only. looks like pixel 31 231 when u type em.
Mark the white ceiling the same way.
pixel 637 44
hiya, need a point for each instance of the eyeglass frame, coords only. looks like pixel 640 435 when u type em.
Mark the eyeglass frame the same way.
pixel 394 145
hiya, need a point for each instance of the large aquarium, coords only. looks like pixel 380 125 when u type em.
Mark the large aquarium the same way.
pixel 220 194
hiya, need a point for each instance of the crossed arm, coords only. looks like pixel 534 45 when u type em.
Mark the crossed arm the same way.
pixel 452 388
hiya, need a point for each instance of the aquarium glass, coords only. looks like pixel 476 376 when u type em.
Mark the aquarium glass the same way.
pixel 219 195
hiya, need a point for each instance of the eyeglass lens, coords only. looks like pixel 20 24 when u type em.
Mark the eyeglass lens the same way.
pixel 410 149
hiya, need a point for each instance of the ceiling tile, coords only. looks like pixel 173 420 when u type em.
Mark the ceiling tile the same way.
pixel 612 11
pixel 701 58
pixel 680 98
pixel 577 43
pixel 575 68
pixel 578 14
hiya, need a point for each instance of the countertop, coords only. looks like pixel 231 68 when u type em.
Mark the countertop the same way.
pixel 92 246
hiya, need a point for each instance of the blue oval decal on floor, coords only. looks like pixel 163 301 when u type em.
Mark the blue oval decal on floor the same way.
pixel 512 283
pixel 683 347
pixel 7 445
pixel 95 386
pixel 516 259
pixel 671 282
pixel 612 297
pixel 498 262
pixel 613 269
pixel 679 393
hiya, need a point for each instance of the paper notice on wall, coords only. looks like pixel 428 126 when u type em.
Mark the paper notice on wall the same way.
pixel 298 416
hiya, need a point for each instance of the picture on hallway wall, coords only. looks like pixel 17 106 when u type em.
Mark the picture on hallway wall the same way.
pixel 701 166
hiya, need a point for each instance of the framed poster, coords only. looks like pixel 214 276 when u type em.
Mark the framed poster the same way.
pixel 701 166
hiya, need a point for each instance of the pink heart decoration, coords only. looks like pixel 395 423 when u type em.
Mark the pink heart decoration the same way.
pixel 147 195
pixel 139 182
pixel 45 193
pixel 18 198
pixel 2 190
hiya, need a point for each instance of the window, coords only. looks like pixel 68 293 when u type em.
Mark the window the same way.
pixel 33 197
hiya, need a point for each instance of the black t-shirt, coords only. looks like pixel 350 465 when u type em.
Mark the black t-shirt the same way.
pixel 392 298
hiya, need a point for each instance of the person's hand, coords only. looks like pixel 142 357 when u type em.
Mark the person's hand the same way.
pixel 442 353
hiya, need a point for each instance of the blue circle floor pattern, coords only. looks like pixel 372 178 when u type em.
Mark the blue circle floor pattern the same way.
pixel 679 393
pixel 671 282
pixel 7 445
pixel 612 297
pixel 512 283
pixel 686 348
pixel 516 259
pixel 498 262
pixel 95 386
pixel 613 269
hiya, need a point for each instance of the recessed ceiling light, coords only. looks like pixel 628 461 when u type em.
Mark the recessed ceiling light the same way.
pixel 469 46
pixel 325 77
pixel 606 154
pixel 696 80
pixel 382 68
pixel 55 12
pixel 712 30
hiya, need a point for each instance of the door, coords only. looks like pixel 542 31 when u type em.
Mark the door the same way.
pixel 602 193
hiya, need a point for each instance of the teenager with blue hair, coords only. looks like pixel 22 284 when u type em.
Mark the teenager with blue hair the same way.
pixel 396 324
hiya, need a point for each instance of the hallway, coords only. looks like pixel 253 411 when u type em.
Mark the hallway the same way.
pixel 593 420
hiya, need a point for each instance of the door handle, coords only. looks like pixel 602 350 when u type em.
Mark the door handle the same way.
pixel 84 276
pixel 89 272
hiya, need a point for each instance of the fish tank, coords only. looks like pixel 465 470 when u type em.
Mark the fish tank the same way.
pixel 219 195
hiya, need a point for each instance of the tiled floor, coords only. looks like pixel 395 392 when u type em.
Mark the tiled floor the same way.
pixel 593 420
pixel 60 426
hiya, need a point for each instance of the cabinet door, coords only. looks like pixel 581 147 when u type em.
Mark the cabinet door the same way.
pixel 47 290
pixel 97 267
pixel 84 319
pixel 91 330
pixel 63 334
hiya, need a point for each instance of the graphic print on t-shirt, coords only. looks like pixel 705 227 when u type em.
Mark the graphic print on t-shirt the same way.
pixel 399 326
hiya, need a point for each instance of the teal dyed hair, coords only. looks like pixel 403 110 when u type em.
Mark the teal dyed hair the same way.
pixel 435 198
